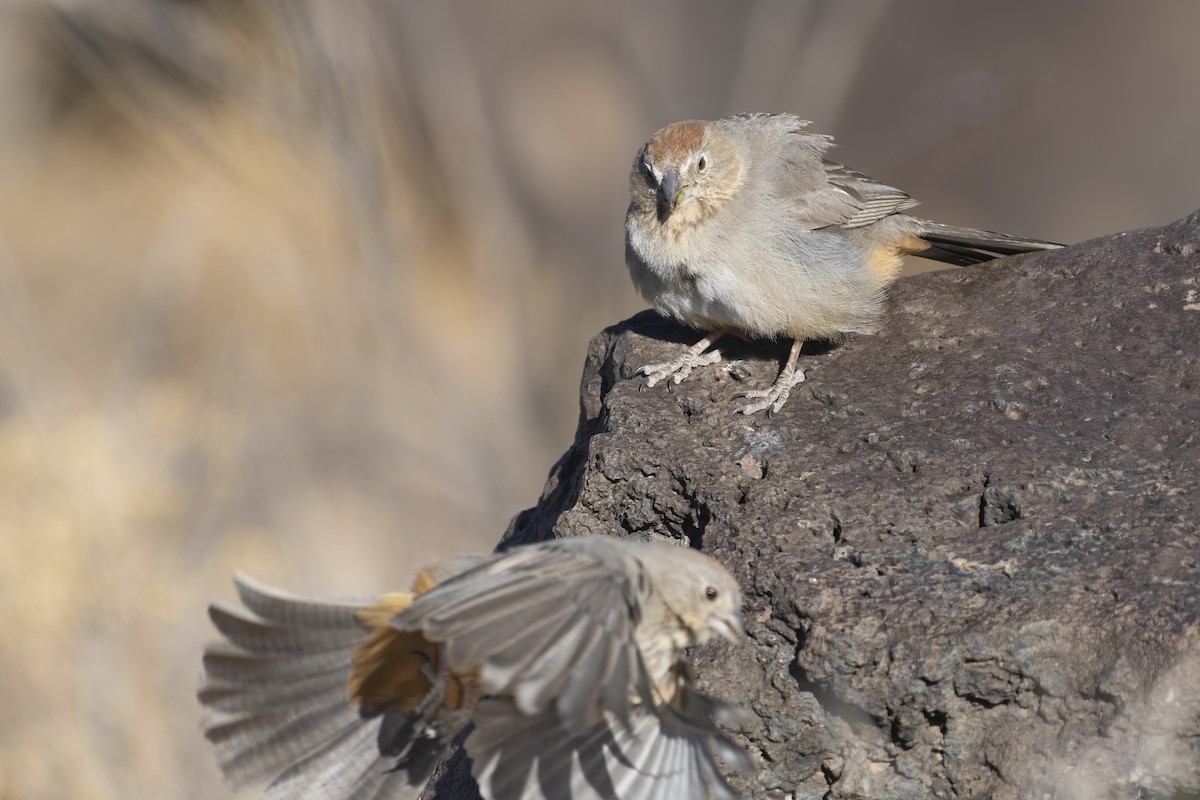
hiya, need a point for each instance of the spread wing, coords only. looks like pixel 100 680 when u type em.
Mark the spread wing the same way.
pixel 668 751
pixel 552 626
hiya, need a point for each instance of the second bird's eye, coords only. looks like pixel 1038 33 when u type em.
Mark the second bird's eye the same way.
pixel 711 593
pixel 701 164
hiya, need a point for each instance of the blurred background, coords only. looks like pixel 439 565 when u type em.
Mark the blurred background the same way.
pixel 304 288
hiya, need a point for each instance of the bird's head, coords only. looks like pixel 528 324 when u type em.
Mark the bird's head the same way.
pixel 700 592
pixel 685 172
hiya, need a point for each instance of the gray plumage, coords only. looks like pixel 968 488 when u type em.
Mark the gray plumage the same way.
pixel 544 624
pixel 568 655
pixel 278 707
pixel 741 225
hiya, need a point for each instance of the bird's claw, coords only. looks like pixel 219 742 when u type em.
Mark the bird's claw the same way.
pixel 678 369
pixel 772 398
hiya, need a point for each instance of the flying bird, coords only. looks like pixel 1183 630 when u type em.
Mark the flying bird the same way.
pixel 568 656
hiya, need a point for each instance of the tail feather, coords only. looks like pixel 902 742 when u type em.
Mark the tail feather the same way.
pixel 295 610
pixel 346 758
pixel 279 705
pixel 254 745
pixel 237 697
pixel 966 246
pixel 258 635
pixel 225 663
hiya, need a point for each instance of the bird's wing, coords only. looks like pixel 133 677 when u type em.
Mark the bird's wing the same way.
pixel 825 194
pixel 864 200
pixel 661 752
pixel 552 626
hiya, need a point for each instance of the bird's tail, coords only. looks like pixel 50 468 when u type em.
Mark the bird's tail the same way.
pixel 279 704
pixel 965 246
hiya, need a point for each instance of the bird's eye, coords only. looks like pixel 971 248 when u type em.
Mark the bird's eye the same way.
pixel 702 164
pixel 711 593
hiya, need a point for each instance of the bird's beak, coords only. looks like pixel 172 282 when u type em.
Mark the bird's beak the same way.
pixel 728 626
pixel 671 193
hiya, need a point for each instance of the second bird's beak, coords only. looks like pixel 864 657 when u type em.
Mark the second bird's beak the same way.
pixel 728 626
pixel 671 193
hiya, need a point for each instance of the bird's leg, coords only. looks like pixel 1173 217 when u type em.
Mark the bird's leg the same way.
pixel 681 367
pixel 777 395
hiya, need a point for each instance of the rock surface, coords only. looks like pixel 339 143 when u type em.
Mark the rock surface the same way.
pixel 970 543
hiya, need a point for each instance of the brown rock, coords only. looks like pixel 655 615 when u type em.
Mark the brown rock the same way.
pixel 970 544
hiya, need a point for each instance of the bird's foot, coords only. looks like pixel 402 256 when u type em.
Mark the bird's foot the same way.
pixel 678 369
pixel 772 398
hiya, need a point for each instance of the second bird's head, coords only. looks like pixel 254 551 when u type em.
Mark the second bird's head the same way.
pixel 700 593
pixel 684 173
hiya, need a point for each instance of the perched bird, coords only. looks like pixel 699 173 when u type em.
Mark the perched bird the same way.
pixel 740 225
pixel 567 655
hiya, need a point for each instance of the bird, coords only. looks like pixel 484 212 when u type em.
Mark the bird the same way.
pixel 740 225
pixel 567 655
